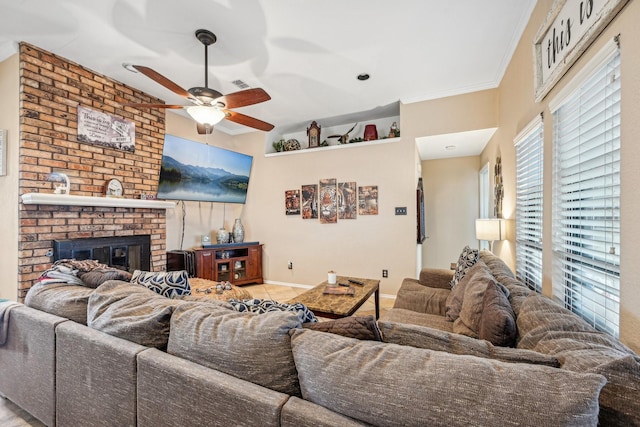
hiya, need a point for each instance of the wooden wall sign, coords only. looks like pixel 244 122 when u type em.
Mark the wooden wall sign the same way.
pixel 569 29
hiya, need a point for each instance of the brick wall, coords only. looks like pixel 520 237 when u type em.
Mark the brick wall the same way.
pixel 51 88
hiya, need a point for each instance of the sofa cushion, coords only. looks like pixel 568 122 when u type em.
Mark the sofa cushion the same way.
pixel 497 320
pixel 132 312
pixel 97 276
pixel 61 299
pixel 252 347
pixel 260 306
pixel 402 315
pixel 388 384
pixel 434 339
pixel 477 274
pixel 359 327
pixel 414 295
pixel 468 257
pixel 166 283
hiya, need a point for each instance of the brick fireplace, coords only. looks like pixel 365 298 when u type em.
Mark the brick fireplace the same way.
pixel 51 88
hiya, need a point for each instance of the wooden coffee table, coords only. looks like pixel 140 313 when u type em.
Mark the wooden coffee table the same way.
pixel 336 306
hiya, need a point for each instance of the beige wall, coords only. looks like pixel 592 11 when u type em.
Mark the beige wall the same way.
pixel 9 95
pixel 451 207
pixel 517 108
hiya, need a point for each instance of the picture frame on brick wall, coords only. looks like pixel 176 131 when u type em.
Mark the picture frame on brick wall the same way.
pixel 96 127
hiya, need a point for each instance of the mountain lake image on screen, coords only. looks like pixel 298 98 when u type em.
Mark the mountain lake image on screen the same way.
pixel 204 173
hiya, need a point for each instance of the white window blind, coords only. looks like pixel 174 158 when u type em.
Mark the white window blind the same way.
pixel 529 171
pixel 586 225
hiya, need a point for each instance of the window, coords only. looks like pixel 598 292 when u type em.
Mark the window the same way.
pixel 586 224
pixel 485 198
pixel 529 168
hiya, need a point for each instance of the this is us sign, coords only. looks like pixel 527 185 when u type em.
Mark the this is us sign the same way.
pixel 571 26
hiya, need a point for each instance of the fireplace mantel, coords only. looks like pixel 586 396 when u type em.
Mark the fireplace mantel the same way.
pixel 116 202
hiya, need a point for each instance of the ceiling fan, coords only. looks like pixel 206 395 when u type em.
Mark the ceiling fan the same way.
pixel 209 105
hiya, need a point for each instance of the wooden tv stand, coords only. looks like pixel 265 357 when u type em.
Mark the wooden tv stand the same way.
pixel 238 263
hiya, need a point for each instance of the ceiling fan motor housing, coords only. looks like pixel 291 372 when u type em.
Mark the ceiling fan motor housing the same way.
pixel 206 95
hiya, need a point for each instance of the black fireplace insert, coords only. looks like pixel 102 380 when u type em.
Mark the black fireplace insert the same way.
pixel 124 252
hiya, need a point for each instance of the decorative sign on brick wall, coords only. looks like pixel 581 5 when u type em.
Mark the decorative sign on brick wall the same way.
pixel 96 127
pixel 570 27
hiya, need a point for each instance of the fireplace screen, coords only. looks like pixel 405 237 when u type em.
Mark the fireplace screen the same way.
pixel 124 252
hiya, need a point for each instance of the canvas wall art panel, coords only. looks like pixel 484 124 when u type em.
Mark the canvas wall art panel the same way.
pixel 368 200
pixel 328 201
pixel 292 202
pixel 310 201
pixel 347 200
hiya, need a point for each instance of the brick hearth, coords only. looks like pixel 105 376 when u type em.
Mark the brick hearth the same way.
pixel 51 88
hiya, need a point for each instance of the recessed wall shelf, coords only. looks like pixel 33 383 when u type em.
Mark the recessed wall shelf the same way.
pixel 334 147
pixel 116 202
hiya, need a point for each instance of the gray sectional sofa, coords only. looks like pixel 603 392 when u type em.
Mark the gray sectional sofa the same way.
pixel 121 355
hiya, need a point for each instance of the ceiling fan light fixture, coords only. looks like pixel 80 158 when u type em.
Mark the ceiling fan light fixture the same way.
pixel 205 115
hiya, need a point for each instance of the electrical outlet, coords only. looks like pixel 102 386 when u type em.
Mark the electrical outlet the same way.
pixel 290 265
pixel 385 273
pixel 401 210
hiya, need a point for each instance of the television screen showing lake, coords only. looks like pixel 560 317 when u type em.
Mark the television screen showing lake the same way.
pixel 200 172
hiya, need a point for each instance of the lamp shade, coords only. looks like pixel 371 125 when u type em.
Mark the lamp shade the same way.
pixel 491 229
pixel 205 115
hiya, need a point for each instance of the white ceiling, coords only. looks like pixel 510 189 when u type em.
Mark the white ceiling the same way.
pixel 459 144
pixel 305 54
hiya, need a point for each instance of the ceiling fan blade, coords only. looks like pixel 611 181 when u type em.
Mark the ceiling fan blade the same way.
pixel 244 98
pixel 154 106
pixel 247 121
pixel 159 78
pixel 204 129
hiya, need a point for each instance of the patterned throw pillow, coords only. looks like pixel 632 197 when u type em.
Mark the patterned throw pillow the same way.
pixel 168 284
pixel 260 306
pixel 467 259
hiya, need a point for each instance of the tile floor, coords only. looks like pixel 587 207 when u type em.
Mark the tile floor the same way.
pixel 12 416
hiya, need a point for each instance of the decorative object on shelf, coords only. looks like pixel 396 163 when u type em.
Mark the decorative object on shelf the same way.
pixel 358 139
pixel 222 236
pixel 394 132
pixel 345 137
pixel 60 177
pixel 368 200
pixel 292 202
pixel 291 145
pixel 238 231
pixel 114 188
pixel 313 132
pixel 144 196
pixel 498 188
pixel 310 201
pixel 278 145
pixel 332 278
pixel 328 201
pixel 324 143
pixel 347 200
pixel 370 133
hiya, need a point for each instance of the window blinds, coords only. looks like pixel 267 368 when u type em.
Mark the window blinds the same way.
pixel 529 192
pixel 586 224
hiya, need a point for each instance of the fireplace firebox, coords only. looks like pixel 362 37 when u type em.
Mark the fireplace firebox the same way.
pixel 124 252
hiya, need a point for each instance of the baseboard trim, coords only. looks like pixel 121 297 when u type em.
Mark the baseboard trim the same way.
pixel 300 285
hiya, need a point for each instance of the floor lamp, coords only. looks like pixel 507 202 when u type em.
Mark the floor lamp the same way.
pixel 491 229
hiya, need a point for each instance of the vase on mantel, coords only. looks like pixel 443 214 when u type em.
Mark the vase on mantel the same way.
pixel 222 236
pixel 238 231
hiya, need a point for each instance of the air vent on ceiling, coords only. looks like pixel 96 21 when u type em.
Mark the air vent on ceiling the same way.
pixel 240 84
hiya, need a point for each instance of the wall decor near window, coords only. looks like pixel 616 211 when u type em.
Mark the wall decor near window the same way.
pixel 368 200
pixel 310 201
pixel 420 212
pixel 347 200
pixel 292 202
pixel 498 188
pixel 96 127
pixel 328 201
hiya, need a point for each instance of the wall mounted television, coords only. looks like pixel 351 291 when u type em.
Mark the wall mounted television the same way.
pixel 204 173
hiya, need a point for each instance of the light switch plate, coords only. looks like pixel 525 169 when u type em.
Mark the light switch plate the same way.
pixel 401 210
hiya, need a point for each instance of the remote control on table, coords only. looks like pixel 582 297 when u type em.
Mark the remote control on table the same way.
pixel 343 284
pixel 357 282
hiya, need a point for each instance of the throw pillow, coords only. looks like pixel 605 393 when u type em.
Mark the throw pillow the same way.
pixel 388 384
pixel 435 339
pixel 248 346
pixel 467 259
pixel 166 283
pixel 260 306
pixel 358 327
pixel 479 271
pixel 97 276
pixel 132 312
pixel 497 321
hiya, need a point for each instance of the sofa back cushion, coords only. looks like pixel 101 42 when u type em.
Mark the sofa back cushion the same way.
pixel 131 312
pixel 61 299
pixel 249 346
pixel 388 384
pixel 434 339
